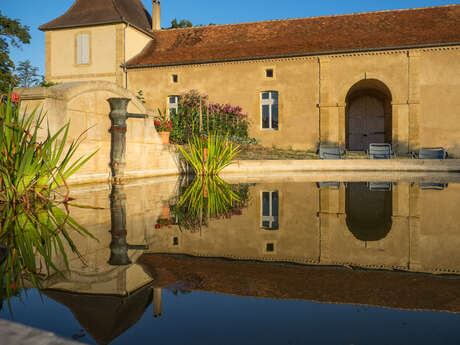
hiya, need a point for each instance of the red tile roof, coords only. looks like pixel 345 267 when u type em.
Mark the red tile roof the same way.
pixel 305 36
pixel 96 12
pixel 322 284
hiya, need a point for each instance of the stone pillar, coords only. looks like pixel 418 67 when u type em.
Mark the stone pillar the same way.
pixel 157 300
pixel 414 100
pixel 400 126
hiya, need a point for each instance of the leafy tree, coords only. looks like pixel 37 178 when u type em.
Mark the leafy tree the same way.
pixel 11 33
pixel 45 83
pixel 182 24
pixel 27 74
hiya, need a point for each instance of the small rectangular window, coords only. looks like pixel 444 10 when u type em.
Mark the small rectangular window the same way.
pixel 270 247
pixel 173 105
pixel 270 110
pixel 270 210
pixel 175 241
pixel 83 49
pixel 269 73
pixel 175 78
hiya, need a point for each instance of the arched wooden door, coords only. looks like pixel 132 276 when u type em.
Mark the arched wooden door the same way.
pixel 366 122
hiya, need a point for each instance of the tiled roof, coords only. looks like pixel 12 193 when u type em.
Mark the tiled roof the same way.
pixel 302 282
pixel 97 12
pixel 305 36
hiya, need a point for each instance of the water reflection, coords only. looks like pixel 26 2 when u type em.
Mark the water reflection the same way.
pixel 369 208
pixel 329 242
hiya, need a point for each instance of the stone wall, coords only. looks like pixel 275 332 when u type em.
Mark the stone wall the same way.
pixel 313 91
pixel 85 105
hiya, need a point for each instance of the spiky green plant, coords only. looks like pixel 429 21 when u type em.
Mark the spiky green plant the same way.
pixel 208 156
pixel 29 165
pixel 35 235
pixel 33 225
pixel 206 198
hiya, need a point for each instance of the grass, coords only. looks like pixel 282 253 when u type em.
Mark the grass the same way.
pixel 259 152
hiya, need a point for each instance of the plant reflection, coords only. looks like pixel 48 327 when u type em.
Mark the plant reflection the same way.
pixel 33 236
pixel 208 198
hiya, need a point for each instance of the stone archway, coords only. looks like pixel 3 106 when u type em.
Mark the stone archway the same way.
pixel 368 115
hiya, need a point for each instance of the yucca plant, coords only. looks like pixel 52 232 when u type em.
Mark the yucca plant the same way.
pixel 33 224
pixel 35 235
pixel 28 165
pixel 208 156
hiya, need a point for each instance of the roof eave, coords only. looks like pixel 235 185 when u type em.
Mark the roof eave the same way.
pixel 281 56
pixel 121 21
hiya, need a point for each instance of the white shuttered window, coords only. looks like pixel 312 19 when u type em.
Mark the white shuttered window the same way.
pixel 83 49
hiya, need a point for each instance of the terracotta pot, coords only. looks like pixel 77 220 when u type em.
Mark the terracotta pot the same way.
pixel 164 137
pixel 165 211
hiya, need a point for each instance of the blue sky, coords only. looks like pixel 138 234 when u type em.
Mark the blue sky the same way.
pixel 34 13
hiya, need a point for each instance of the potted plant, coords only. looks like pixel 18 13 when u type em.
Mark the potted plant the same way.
pixel 163 126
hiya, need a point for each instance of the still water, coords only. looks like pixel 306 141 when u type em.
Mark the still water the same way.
pixel 296 262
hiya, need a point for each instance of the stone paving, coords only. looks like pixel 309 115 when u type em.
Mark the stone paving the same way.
pixel 16 334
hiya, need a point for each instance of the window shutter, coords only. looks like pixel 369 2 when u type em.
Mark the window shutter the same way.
pixel 83 49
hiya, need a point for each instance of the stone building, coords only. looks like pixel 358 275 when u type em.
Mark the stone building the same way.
pixel 390 76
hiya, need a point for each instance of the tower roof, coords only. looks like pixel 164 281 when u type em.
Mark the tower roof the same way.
pixel 396 29
pixel 97 12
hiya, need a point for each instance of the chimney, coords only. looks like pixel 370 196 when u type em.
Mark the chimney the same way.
pixel 156 15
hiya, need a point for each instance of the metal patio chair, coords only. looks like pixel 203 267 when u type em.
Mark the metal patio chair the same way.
pixel 432 153
pixel 380 186
pixel 380 151
pixel 328 185
pixel 329 152
pixel 433 186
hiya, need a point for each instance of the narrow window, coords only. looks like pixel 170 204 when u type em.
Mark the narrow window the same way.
pixel 83 51
pixel 270 110
pixel 270 210
pixel 269 73
pixel 270 247
pixel 175 78
pixel 175 241
pixel 173 105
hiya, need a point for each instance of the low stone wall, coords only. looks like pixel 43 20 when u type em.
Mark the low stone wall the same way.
pixel 268 167
pixel 85 105
pixel 17 334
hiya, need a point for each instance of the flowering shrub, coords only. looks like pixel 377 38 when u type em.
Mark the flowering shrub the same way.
pixel 223 119
pixel 162 123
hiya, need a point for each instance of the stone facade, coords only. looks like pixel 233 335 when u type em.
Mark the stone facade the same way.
pixel 406 62
pixel 85 106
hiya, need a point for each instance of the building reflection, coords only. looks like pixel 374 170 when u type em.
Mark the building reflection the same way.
pixel 347 238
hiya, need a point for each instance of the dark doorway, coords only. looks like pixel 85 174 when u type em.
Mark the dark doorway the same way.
pixel 369 115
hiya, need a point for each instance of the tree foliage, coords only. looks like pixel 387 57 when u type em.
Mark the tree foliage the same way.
pixel 182 24
pixel 12 33
pixel 27 74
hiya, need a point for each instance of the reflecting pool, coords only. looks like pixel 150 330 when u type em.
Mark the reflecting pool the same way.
pixel 282 260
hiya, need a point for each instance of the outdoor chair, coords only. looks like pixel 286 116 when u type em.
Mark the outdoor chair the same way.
pixel 329 152
pixel 328 185
pixel 380 186
pixel 379 151
pixel 431 153
pixel 433 186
